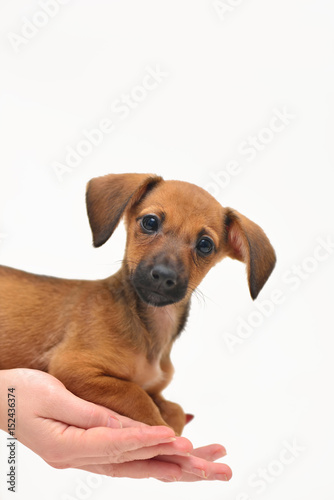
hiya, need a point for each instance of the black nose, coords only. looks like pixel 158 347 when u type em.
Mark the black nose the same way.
pixel 164 277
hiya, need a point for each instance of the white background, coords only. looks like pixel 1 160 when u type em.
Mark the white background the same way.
pixel 227 74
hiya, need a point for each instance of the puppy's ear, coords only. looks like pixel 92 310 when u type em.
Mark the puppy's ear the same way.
pixel 246 241
pixel 107 197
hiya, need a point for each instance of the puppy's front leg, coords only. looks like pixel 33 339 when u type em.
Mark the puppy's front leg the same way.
pixel 121 396
pixel 172 413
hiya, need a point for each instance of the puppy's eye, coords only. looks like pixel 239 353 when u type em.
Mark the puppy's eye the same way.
pixel 150 223
pixel 205 246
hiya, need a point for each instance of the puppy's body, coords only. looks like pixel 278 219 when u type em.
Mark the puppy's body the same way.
pixel 109 340
pixel 101 319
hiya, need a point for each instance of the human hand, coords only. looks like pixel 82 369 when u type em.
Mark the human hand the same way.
pixel 67 431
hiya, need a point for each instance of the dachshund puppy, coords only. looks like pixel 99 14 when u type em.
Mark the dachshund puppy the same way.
pixel 109 340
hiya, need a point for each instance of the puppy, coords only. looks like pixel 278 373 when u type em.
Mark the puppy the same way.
pixel 109 340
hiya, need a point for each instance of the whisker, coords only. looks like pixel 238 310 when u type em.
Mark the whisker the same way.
pixel 200 297
pixel 197 293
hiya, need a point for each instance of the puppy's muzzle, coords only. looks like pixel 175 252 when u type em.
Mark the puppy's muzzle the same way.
pixel 159 284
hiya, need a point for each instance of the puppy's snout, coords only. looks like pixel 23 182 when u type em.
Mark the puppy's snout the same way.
pixel 164 277
pixel 160 282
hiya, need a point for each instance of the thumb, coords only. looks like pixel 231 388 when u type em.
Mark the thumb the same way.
pixel 72 410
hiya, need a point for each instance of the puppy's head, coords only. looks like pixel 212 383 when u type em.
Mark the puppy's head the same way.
pixel 176 232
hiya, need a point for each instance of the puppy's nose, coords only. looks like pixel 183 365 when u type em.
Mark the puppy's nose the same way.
pixel 164 276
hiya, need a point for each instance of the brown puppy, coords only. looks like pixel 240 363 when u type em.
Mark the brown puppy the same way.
pixel 109 340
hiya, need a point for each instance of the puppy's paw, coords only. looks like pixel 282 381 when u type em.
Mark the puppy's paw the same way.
pixel 174 415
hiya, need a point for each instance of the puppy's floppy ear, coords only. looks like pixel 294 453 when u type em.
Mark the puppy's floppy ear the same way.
pixel 246 241
pixel 107 197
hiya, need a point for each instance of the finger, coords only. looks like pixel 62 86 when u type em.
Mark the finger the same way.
pixel 126 421
pixel 179 447
pixel 104 442
pixel 200 468
pixel 211 452
pixel 75 411
pixel 138 470
pixel 191 478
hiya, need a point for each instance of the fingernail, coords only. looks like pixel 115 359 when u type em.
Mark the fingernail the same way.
pixel 200 473
pixel 114 423
pixel 168 440
pixel 169 479
pixel 221 477
pixel 219 454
